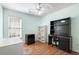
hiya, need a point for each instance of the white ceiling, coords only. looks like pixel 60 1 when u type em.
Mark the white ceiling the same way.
pixel 25 7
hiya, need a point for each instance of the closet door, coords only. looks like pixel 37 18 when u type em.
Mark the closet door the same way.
pixel 42 33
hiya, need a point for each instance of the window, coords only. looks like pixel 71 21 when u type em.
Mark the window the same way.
pixel 14 27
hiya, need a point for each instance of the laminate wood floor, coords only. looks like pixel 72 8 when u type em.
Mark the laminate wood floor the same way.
pixel 39 48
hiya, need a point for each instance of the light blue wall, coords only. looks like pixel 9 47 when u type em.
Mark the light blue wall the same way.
pixel 73 12
pixel 29 23
pixel 1 22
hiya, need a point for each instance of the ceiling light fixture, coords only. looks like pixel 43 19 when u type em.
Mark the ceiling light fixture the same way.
pixel 39 9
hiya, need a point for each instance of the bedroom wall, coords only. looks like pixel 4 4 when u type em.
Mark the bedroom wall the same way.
pixel 1 22
pixel 30 23
pixel 71 11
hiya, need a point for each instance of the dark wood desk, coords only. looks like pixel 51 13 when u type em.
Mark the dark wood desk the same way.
pixel 60 41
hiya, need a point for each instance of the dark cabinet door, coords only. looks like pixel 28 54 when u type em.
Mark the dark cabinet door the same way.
pixel 49 40
pixel 64 44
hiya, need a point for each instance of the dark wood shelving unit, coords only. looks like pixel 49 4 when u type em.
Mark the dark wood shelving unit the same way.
pixel 60 32
pixel 52 27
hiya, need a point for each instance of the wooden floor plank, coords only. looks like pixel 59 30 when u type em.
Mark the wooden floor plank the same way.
pixel 43 49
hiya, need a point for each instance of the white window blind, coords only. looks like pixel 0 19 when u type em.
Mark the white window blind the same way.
pixel 14 27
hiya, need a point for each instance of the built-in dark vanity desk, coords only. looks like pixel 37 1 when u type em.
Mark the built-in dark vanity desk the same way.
pixel 60 42
pixel 60 34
